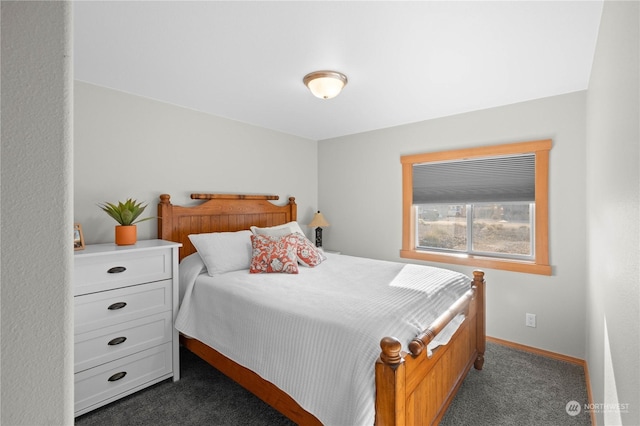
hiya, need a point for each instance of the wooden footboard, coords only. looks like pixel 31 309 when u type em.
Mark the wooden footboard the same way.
pixel 413 389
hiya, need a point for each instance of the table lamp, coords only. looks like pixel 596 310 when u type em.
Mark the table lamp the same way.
pixel 318 222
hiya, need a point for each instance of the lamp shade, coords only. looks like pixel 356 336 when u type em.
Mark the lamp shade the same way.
pixel 318 221
pixel 325 84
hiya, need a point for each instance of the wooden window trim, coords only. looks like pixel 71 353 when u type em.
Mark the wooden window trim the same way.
pixel 540 265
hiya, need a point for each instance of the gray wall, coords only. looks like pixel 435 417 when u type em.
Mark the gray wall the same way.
pixel 613 183
pixel 360 193
pixel 37 333
pixel 128 146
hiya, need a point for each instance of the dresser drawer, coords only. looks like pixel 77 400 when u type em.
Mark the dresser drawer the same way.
pixel 99 273
pixel 110 343
pixel 98 310
pixel 118 378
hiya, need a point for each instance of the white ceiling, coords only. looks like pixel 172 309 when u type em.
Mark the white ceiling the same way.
pixel 406 61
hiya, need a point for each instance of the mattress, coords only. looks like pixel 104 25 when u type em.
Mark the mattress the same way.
pixel 316 334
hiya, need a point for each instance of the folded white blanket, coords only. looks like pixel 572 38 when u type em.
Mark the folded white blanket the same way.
pixel 316 334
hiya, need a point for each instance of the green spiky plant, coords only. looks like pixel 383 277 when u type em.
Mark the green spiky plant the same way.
pixel 125 213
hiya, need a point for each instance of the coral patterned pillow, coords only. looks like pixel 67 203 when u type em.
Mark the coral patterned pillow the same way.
pixel 274 254
pixel 308 254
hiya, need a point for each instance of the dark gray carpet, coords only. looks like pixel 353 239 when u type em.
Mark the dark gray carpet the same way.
pixel 519 388
pixel 202 396
pixel 514 388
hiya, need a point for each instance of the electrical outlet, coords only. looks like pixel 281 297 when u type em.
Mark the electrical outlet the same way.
pixel 530 320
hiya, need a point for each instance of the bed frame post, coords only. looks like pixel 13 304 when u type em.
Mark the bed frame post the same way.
pixel 294 208
pixel 390 384
pixel 481 332
pixel 164 213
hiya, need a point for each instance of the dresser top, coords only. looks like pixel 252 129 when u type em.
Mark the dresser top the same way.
pixel 101 249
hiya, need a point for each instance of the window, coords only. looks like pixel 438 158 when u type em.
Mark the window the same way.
pixel 485 207
pixel 501 230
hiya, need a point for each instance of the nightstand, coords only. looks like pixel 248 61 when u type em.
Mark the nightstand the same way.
pixel 125 304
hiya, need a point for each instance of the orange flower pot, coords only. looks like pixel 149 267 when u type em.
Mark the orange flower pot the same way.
pixel 126 235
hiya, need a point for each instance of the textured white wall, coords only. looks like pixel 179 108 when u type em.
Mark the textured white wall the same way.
pixel 360 193
pixel 613 182
pixel 37 329
pixel 129 146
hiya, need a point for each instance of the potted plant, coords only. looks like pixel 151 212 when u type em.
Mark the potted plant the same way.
pixel 126 214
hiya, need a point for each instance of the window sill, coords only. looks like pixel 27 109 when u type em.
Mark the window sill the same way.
pixel 478 261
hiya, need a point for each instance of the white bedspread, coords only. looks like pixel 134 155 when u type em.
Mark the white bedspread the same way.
pixel 316 334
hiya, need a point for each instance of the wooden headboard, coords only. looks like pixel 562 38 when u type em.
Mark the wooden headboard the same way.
pixel 219 213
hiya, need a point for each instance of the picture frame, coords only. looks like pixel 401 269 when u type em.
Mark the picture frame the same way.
pixel 78 237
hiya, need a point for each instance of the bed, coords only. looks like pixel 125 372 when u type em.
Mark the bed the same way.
pixel 412 380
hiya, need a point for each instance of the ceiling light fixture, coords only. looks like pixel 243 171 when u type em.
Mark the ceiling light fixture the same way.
pixel 325 84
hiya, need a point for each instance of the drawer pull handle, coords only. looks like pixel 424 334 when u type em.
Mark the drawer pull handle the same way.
pixel 117 269
pixel 116 341
pixel 117 376
pixel 117 305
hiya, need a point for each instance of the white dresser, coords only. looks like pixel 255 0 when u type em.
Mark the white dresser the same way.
pixel 125 304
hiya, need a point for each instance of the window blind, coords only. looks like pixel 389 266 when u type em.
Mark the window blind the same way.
pixel 491 179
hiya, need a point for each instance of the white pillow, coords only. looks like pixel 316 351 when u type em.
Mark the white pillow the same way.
pixel 224 251
pixel 279 230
